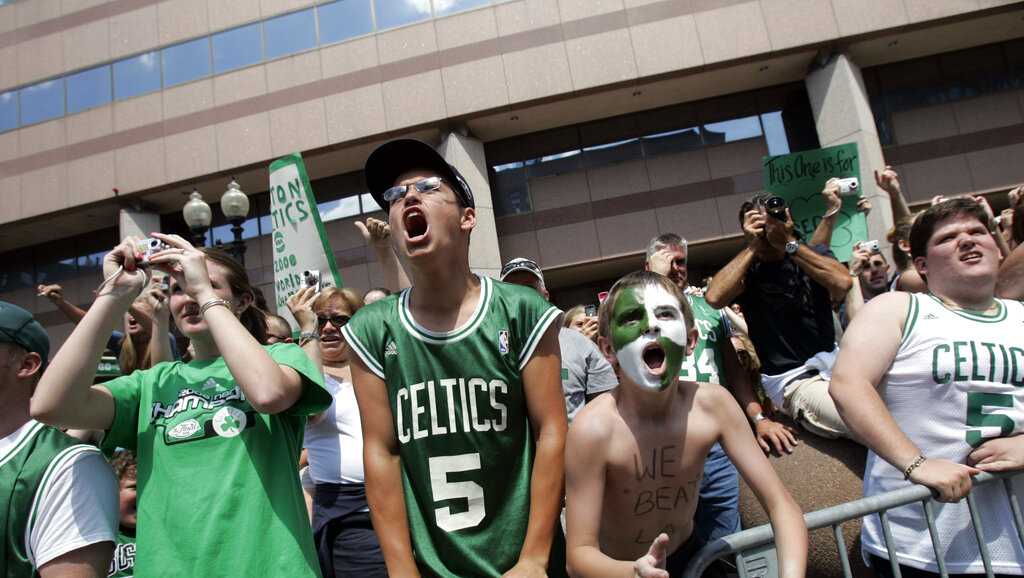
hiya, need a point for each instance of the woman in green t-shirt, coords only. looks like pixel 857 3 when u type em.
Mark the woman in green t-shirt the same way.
pixel 217 439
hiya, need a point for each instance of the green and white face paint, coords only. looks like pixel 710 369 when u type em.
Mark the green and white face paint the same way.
pixel 649 333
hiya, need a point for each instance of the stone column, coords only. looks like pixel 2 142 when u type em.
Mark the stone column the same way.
pixel 842 114
pixel 467 154
pixel 137 223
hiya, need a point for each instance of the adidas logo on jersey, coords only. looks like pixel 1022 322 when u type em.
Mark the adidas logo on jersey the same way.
pixel 929 316
pixel 391 350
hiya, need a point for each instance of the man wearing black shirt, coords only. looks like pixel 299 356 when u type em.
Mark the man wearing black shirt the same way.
pixel 786 289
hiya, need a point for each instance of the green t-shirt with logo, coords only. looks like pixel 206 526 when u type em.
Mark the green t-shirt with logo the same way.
pixel 218 484
pixel 705 363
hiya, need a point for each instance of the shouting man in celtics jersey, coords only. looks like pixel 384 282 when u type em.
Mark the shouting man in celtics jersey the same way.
pixel 457 381
pixel 934 385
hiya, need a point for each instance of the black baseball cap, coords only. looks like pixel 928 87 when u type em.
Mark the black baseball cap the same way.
pixel 388 161
pixel 522 264
pixel 17 326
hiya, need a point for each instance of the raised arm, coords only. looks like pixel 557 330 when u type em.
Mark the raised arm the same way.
pixel 159 343
pixel 1011 275
pixel 301 306
pixel 823 232
pixel 854 299
pixel 55 293
pixel 545 405
pixel 377 235
pixel 865 355
pixel 383 471
pixel 889 181
pixel 786 518
pixel 65 396
pixel 269 387
pixel 727 284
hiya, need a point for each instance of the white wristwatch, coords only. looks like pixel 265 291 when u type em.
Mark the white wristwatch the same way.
pixel 791 247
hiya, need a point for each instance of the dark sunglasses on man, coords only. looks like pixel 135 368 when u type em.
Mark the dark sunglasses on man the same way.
pixel 338 321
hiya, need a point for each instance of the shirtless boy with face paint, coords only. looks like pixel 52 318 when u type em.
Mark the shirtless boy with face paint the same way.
pixel 634 458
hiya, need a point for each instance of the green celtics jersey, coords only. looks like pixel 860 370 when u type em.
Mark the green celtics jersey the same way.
pixel 123 563
pixel 461 421
pixel 27 469
pixel 218 482
pixel 705 363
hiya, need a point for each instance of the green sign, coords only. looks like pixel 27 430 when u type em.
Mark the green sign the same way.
pixel 300 242
pixel 799 178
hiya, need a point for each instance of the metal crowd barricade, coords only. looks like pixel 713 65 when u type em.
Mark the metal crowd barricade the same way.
pixel 754 549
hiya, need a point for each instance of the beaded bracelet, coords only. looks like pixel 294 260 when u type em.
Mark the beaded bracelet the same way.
pixel 212 303
pixel 913 466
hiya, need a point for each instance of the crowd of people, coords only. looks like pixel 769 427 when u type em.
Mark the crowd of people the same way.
pixel 450 424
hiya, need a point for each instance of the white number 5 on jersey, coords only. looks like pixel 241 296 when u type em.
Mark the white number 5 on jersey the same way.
pixel 442 489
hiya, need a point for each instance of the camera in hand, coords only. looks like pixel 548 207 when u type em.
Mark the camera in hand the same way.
pixel 871 246
pixel 312 279
pixel 848 186
pixel 149 247
pixel 775 207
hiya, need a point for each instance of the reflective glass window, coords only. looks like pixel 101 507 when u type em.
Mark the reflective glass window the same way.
pixel 137 75
pixel 442 7
pixel 236 48
pixel 672 141
pixel 56 271
pixel 732 130
pixel 186 61
pixel 88 89
pixel 614 152
pixel 343 20
pixel 554 164
pixel 222 234
pixel 339 209
pixel 8 111
pixel 391 13
pixel 42 101
pixel 775 133
pixel 369 205
pixel 289 34
pixel 510 190
pixel 91 263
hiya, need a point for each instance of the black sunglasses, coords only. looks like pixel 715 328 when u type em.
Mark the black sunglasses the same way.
pixel 338 321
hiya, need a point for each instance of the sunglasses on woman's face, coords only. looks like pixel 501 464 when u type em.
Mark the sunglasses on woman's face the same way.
pixel 338 321
pixel 426 185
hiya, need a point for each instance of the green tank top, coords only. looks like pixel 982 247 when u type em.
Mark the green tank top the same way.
pixel 705 363
pixel 461 420
pixel 122 565
pixel 25 471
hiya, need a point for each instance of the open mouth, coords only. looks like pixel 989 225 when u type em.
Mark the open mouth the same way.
pixel 415 223
pixel 330 338
pixel 971 257
pixel 654 357
pixel 190 310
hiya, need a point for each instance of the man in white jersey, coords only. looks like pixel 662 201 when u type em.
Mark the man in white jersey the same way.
pixel 934 385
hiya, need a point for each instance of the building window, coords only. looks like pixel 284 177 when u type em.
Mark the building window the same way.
pixel 137 75
pixel 392 13
pixel 89 89
pixel 186 62
pixel 731 130
pixel 672 141
pixel 445 7
pixel 343 20
pixel 41 102
pixel 236 48
pixel 775 133
pixel 289 34
pixel 338 209
pixel 369 204
pixel 8 111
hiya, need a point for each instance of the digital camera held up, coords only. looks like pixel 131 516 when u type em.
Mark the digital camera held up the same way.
pixel 311 278
pixel 848 187
pixel 775 207
pixel 149 247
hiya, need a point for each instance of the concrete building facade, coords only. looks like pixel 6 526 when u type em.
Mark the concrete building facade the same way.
pixel 585 127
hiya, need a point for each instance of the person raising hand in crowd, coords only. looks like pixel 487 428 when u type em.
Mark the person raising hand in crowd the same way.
pixel 222 430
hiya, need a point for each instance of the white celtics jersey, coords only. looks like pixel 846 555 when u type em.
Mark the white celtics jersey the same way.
pixel 957 381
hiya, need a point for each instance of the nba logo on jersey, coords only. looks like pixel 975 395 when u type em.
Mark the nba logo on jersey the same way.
pixel 503 341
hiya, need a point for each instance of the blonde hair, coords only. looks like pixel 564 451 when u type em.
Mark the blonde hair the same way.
pixel 351 298
pixel 572 314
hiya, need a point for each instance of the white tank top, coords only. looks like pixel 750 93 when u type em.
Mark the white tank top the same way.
pixel 957 380
pixel 335 443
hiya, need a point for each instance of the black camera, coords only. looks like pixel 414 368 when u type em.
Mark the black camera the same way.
pixel 775 207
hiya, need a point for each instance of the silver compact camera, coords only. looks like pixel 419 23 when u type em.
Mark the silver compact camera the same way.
pixel 871 246
pixel 150 247
pixel 848 186
pixel 311 278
